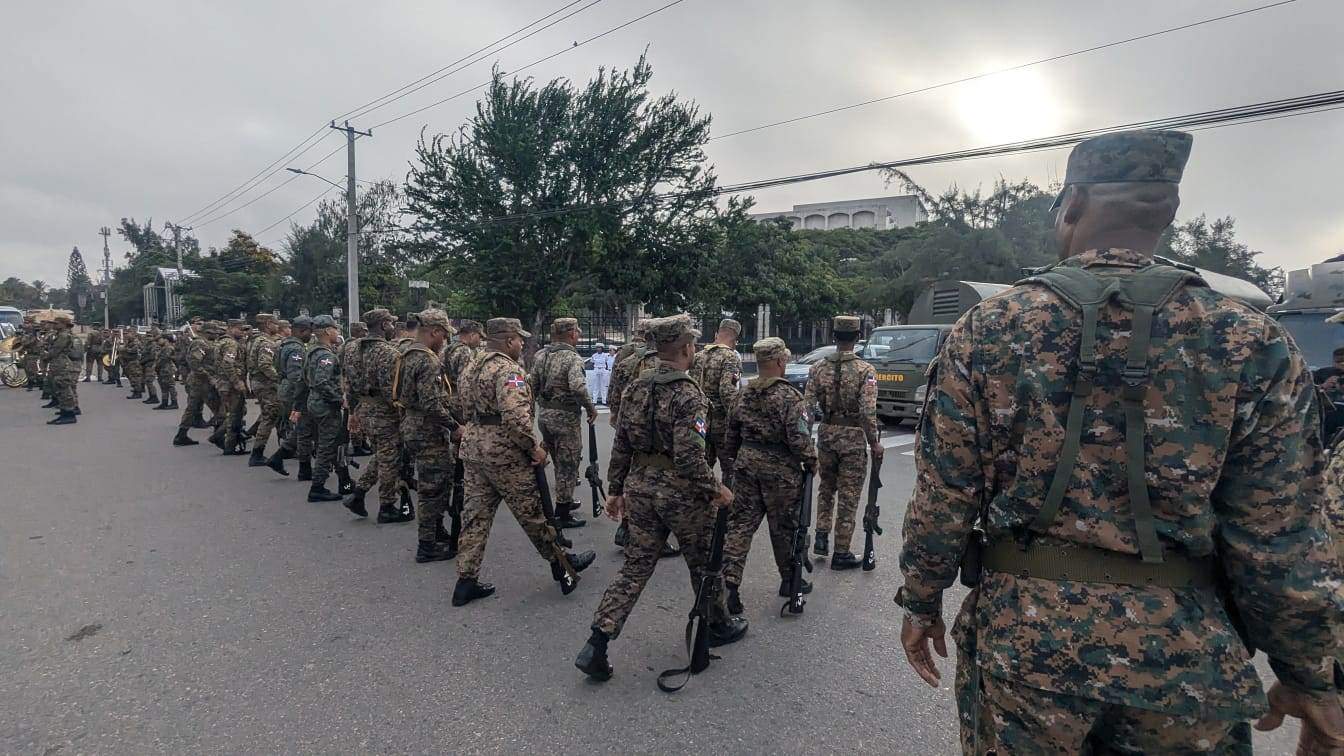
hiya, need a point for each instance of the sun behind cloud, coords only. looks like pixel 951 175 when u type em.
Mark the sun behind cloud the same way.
pixel 1009 107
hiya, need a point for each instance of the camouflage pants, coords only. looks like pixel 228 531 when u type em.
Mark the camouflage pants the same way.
pixel 764 486
pixel 716 429
pixel 63 388
pixel 268 407
pixel 234 406
pixel 1016 719
pixel 212 401
pixel 93 361
pixel 382 429
pixel 485 486
pixel 327 436
pixel 134 374
pixel 148 378
pixel 562 434
pixel 650 517
pixel 168 382
pixel 197 387
pixel 434 469
pixel 842 462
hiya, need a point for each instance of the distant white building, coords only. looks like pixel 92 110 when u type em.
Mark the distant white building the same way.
pixel 878 212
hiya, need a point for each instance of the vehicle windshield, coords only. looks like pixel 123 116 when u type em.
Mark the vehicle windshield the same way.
pixel 1316 338
pixel 12 317
pixel 816 355
pixel 904 344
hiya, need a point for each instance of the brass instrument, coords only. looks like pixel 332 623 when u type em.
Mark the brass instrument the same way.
pixel 8 344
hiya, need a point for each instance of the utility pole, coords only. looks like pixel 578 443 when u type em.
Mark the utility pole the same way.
pixel 174 313
pixel 352 222
pixel 107 273
pixel 177 244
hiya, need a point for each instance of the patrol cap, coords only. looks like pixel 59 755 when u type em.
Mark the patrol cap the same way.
pixel 470 326
pixel 436 318
pixel 846 324
pixel 282 322
pixel 561 326
pixel 358 327
pixel 323 321
pixel 728 324
pixel 499 327
pixel 63 320
pixel 264 317
pixel 642 327
pixel 770 348
pixel 671 329
pixel 303 321
pixel 1142 155
pixel 377 316
pixel 236 322
pixel 196 320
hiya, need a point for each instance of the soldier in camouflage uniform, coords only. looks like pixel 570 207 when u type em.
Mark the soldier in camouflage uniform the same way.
pixel 64 355
pixel 130 364
pixel 28 345
pixel 456 357
pixel 845 388
pixel 1123 455
pixel 264 380
pixel 197 384
pixel 165 367
pixel 293 396
pixel 149 355
pixel 500 451
pixel 322 376
pixel 660 482
pixel 427 429
pixel 718 370
pixel 228 382
pixel 371 362
pixel 640 356
pixel 558 382
pixel 768 445
pixel 93 355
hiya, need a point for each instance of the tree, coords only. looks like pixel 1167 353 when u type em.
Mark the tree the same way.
pixel 548 192
pixel 77 285
pixel 1213 246
pixel 147 253
pixel 240 279
pixel 24 296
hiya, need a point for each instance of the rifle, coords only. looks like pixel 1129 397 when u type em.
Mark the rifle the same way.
pixel 566 575
pixel 799 561
pixel 456 501
pixel 697 627
pixel 870 514
pixel 343 461
pixel 593 474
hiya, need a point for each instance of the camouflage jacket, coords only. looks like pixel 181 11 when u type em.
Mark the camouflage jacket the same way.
pixel 149 351
pixel 198 352
pixel 456 357
pixel 498 406
pixel 718 370
pixel 64 350
pixel 1233 463
pixel 845 388
pixel 261 361
pixel 322 376
pixel 557 380
pixel 627 371
pixel 665 418
pixel 422 392
pixel 770 419
pixel 1334 497
pixel 228 370
pixel 164 354
pixel 130 351
pixel 379 358
pixel 626 350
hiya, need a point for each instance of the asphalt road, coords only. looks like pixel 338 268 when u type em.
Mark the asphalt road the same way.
pixel 156 599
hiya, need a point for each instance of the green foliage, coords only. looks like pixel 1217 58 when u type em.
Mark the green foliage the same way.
pixel 596 155
pixel 77 285
pixel 237 280
pixel 24 296
pixel 1213 246
pixel 147 252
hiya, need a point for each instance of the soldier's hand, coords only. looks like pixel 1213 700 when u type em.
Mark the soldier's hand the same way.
pixel 294 416
pixel 615 508
pixel 1322 719
pixel 915 637
pixel 723 499
pixel 458 432
pixel 592 415
pixel 876 450
pixel 611 419
pixel 538 456
pixel 352 425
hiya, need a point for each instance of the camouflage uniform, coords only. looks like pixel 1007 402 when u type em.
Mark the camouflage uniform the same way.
pixel 30 345
pixel 845 387
pixel 197 384
pixel 456 357
pixel 93 355
pixel 165 367
pixel 658 465
pixel 264 380
pixel 369 377
pixel 427 428
pixel 64 355
pixel 130 364
pixel 294 392
pixel 718 370
pixel 768 444
pixel 561 390
pixel 228 383
pixel 149 355
pixel 496 451
pixel 1233 463
pixel 647 358
pixel 321 374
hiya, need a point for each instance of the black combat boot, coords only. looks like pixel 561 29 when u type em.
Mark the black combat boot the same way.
pixel 728 630
pixel 87 378
pixel 669 551
pixel 318 492
pixel 135 394
pixel 784 588
pixel 564 516
pixel 199 422
pixel 182 439
pixel 153 397
pixel 391 515
pixel 433 551
pixel 235 449
pixel 305 469
pixel 734 601
pixel 64 418
pixel 355 503
pixel 286 453
pixel 821 545
pixel 579 562
pixel 622 532
pixel 50 404
pixel 592 660
pixel 172 403
pixel 163 402
pixel 258 458
pixel 78 411
pixel 277 462
pixel 844 560
pixel 217 438
pixel 468 590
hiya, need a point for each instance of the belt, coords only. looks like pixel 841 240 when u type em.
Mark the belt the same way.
pixel 559 404
pixel 1053 561
pixel 654 460
pixel 488 420
pixel 844 421
pixel 767 446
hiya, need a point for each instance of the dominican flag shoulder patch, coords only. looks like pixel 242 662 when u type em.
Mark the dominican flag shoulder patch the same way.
pixel 871 380
pixel 516 381
pixel 700 426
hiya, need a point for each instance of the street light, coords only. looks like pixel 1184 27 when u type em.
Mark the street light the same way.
pixel 352 231
pixel 302 172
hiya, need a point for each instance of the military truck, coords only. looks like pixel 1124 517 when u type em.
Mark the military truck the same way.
pixel 1313 303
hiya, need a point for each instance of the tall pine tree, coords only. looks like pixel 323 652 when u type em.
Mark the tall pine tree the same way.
pixel 77 282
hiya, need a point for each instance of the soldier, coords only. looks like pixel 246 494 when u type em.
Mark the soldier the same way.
pixel 767 445
pixel 197 381
pixel 659 481
pixel 217 330
pixel 500 452
pixel 414 379
pixel 149 354
pixel 601 373
pixel 643 357
pixel 64 355
pixel 165 367
pixel 93 352
pixel 117 340
pixel 264 380
pixel 1126 438
pixel 321 374
pixel 358 330
pixel 130 364
pixel 228 381
pixel 718 370
pixel 371 362
pixel 458 354
pixel 294 399
pixel 845 388
pixel 561 390
pixel 637 340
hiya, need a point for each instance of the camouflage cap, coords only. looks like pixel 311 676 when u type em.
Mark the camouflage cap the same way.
pixel 470 326
pixel 213 327
pixel 671 329
pixel 303 321
pixel 237 322
pixel 358 327
pixel 435 318
pixel 282 322
pixel 1144 155
pixel 498 327
pixel 561 326
pixel 196 319
pixel 324 321
pixel 846 324
pixel 264 317
pixel 377 316
pixel 770 348
pixel 63 320
pixel 728 324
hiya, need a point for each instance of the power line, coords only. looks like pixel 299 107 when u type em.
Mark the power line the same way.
pixel 272 190
pixel 539 61
pixel 305 206
pixel 250 183
pixel 987 74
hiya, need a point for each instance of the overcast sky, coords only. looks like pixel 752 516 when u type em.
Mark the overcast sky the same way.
pixel 154 108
